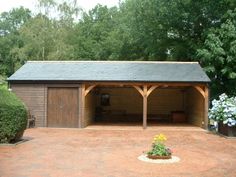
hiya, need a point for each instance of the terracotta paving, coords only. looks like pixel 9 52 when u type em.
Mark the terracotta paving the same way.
pixel 112 151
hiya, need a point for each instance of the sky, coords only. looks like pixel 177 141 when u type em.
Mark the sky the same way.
pixel 6 5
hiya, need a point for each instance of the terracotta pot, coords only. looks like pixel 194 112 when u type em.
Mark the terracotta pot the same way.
pixel 159 157
pixel 224 129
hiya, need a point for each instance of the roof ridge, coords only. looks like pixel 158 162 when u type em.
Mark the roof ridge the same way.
pixel 108 61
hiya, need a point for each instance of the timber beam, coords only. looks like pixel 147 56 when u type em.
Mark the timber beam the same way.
pixel 201 91
pixel 88 89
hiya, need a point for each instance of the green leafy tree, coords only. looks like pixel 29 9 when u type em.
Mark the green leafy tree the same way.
pixel 171 30
pixel 38 37
pixel 135 30
pixel 47 37
pixel 96 34
pixel 10 40
pixel 218 55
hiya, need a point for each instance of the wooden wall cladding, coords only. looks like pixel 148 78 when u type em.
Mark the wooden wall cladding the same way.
pixel 195 107
pixel 33 96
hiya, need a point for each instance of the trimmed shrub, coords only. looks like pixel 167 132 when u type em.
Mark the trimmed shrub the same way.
pixel 13 117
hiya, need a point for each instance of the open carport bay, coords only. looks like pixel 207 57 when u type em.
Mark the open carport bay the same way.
pixel 124 104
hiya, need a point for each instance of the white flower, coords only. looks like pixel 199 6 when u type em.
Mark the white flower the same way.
pixel 224 109
pixel 223 97
pixel 233 123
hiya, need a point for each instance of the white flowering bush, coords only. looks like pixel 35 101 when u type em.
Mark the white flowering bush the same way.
pixel 224 110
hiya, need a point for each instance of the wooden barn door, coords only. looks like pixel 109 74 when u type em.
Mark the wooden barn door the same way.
pixel 62 107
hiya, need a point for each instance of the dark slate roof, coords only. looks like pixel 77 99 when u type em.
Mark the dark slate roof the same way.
pixel 110 71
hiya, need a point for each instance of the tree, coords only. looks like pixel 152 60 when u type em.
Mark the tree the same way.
pixel 218 55
pixel 97 36
pixel 135 30
pixel 38 37
pixel 172 30
pixel 11 21
pixel 10 41
pixel 47 37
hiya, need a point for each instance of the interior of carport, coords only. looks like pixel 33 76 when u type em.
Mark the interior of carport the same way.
pixel 144 105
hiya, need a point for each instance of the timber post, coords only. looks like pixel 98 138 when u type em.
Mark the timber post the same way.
pixel 145 92
pixel 206 107
pixel 204 91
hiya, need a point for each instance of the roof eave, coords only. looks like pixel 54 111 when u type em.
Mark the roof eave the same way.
pixel 113 81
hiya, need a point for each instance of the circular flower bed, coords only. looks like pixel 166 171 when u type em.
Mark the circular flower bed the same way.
pixel 159 149
pixel 173 159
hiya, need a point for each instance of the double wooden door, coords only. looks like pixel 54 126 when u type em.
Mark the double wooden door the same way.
pixel 62 107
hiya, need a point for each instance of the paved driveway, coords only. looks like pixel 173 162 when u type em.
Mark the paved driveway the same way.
pixel 113 152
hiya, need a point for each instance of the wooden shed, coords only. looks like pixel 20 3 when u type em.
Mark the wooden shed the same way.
pixel 78 93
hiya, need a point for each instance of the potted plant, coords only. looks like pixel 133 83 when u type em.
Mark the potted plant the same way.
pixel 159 149
pixel 223 111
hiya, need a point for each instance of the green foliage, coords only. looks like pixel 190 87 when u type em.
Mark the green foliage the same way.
pixel 13 117
pixel 218 55
pixel 174 30
pixel 11 21
pixel 97 35
pixel 171 30
pixel 158 146
pixel 10 41
pixel 159 149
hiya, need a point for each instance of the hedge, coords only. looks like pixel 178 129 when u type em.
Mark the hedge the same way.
pixel 13 117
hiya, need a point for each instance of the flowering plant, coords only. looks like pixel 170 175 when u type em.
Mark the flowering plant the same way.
pixel 158 146
pixel 224 110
